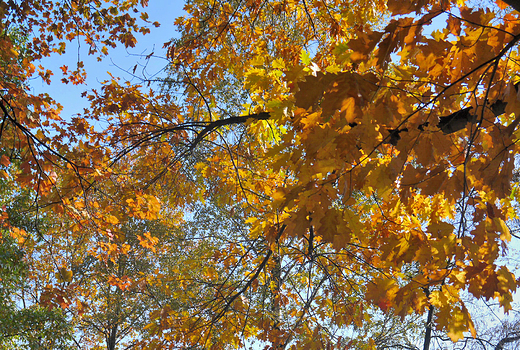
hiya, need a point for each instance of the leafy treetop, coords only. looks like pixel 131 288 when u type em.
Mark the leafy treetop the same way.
pixel 371 163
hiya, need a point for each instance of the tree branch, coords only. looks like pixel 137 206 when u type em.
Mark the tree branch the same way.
pixel 228 121
pixel 501 343
pixel 429 322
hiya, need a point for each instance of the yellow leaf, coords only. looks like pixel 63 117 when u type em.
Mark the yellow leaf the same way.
pixel 444 297
pixel 382 292
pixel 504 230
pixel 111 219
pixel 440 229
pixel 305 57
pixel 460 322
pixel 64 275
pixel 18 234
pixel 278 64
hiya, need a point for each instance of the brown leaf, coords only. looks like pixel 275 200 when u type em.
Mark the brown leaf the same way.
pixel 456 121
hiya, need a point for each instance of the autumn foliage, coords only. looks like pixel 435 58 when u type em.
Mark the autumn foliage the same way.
pixel 303 167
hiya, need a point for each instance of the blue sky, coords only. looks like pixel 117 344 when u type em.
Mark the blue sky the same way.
pixel 119 59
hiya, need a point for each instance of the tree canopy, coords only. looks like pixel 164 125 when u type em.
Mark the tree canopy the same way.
pixel 304 168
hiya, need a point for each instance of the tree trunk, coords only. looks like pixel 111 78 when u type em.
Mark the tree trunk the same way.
pixel 111 339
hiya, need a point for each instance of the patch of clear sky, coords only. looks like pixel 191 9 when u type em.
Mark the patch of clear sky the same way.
pixel 120 62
